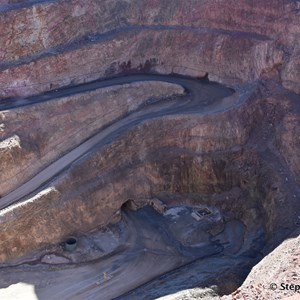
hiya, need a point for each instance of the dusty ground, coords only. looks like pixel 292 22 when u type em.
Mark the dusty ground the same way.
pixel 161 244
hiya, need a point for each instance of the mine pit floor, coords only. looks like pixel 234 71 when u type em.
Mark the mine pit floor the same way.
pixel 144 256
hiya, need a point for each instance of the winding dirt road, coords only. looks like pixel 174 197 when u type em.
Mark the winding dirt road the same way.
pixel 203 98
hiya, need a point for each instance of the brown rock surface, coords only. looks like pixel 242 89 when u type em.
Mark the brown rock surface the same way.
pixel 270 18
pixel 111 176
pixel 289 142
pixel 167 154
pixel 232 44
pixel 243 160
pixel 107 58
pixel 268 279
pixel 38 142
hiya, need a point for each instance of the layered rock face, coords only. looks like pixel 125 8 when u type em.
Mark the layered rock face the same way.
pixel 70 121
pixel 232 44
pixel 130 167
pixel 184 155
pixel 242 158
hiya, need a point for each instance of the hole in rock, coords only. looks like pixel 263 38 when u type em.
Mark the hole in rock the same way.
pixel 71 241
pixel 70 244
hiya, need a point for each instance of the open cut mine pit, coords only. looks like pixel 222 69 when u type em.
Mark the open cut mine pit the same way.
pixel 149 150
pixel 153 192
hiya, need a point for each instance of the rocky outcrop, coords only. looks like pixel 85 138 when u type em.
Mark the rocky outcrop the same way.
pixel 275 276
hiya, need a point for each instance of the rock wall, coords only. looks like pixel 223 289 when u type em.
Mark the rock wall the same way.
pixel 289 142
pixel 42 31
pixel 235 44
pixel 176 154
pixel 198 155
pixel 146 49
pixel 50 44
pixel 279 267
pixel 49 129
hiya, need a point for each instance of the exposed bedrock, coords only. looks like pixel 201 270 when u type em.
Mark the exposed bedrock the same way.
pixel 196 157
pixel 291 72
pixel 236 152
pixel 37 27
pixel 28 143
pixel 287 133
pixel 183 51
pixel 235 44
pixel 278 268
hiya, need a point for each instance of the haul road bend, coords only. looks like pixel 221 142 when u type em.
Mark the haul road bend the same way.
pixel 203 97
